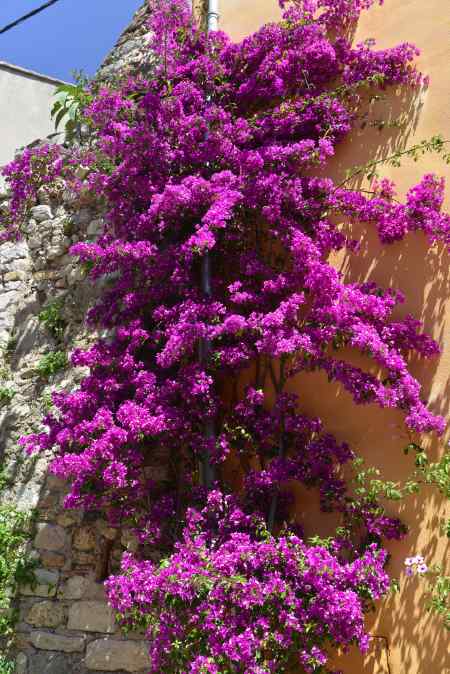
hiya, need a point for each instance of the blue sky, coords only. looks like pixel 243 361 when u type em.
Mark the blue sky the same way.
pixel 70 35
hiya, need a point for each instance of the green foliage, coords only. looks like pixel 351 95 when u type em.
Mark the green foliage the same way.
pixel 51 318
pixel 7 393
pixel 7 666
pixel 435 145
pixel 438 474
pixel 70 103
pixel 369 486
pixel 46 401
pixel 10 347
pixel 52 363
pixel 16 568
pixel 446 528
pixel 421 459
pixel 5 479
pixel 439 594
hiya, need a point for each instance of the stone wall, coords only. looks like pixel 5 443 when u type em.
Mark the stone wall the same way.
pixel 65 625
pixel 130 54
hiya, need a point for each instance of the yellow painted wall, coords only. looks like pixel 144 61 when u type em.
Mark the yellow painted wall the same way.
pixel 410 641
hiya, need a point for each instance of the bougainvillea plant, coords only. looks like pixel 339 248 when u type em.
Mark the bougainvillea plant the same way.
pixel 212 167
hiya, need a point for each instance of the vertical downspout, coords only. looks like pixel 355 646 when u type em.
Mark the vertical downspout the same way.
pixel 213 16
pixel 212 22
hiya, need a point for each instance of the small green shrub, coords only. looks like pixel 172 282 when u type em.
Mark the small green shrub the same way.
pixel 51 318
pixel 16 567
pixel 10 348
pixel 46 401
pixel 52 363
pixel 6 666
pixel 6 395
pixel 439 597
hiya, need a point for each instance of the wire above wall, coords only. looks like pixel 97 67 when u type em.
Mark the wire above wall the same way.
pixel 25 17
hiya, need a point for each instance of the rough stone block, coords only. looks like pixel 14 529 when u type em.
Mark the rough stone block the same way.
pixel 21 664
pixel 92 616
pixel 66 519
pixel 45 614
pixel 84 539
pixel 41 213
pixel 45 586
pixel 49 663
pixel 7 300
pixel 46 641
pixel 108 655
pixel 12 251
pixel 52 560
pixel 80 587
pixel 50 537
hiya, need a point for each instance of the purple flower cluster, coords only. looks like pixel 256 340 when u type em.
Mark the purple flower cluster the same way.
pixel 246 603
pixel 216 155
pixel 30 171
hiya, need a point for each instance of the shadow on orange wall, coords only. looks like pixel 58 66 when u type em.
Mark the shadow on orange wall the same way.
pixel 407 639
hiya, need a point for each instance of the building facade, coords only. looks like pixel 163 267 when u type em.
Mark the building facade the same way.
pixel 26 99
pixel 407 639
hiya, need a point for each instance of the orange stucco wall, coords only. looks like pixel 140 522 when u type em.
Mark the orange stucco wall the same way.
pixel 410 640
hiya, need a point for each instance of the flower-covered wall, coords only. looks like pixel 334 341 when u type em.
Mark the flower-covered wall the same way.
pixel 409 640
pixel 64 623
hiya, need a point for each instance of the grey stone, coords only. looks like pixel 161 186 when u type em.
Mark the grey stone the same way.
pixel 92 616
pixel 41 213
pixel 21 664
pixel 46 584
pixel 34 242
pixel 29 337
pixel 50 537
pixel 12 285
pixel 29 226
pixel 130 46
pixel 55 251
pixel 49 663
pixel 75 587
pixel 95 227
pixel 22 264
pixel 80 587
pixel 109 655
pixel 82 217
pixel 74 274
pixel 46 227
pixel 7 300
pixel 45 614
pixel 12 251
pixel 46 641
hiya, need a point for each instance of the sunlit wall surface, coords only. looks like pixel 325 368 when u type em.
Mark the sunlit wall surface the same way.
pixel 408 639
